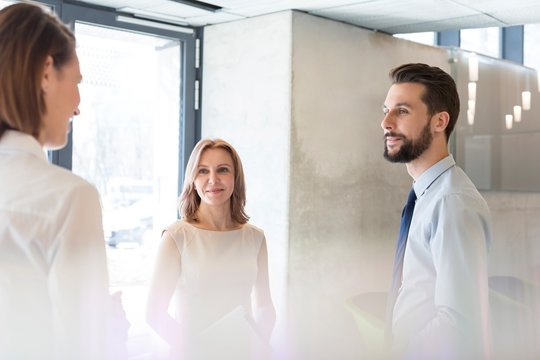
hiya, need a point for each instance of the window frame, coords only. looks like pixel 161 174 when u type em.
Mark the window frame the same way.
pixel 189 117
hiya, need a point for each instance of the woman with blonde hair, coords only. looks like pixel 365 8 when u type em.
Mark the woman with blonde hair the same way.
pixel 215 263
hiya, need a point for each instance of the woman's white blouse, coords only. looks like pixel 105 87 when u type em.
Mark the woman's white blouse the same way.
pixel 53 273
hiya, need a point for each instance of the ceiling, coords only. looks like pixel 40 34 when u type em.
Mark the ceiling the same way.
pixel 390 16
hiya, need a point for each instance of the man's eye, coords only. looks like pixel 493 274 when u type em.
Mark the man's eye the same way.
pixel 402 111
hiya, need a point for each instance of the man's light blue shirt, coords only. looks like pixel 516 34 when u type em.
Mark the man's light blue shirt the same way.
pixel 442 310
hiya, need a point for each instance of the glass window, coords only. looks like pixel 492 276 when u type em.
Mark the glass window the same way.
pixel 427 38
pixel 126 139
pixel 42 3
pixel 531 51
pixel 483 41
pixel 498 131
pixel 4 3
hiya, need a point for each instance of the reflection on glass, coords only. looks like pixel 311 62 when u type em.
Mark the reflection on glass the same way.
pixel 497 129
pixel 526 100
pixel 508 118
pixel 473 67
pixel 472 90
pixel 517 113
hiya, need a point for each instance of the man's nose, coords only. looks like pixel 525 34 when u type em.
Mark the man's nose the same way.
pixel 387 121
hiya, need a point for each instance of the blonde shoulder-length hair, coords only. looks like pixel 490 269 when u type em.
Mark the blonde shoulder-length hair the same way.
pixel 190 201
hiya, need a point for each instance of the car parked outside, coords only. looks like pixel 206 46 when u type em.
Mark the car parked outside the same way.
pixel 127 211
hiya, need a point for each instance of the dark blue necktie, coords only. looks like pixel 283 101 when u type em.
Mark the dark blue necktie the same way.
pixel 406 217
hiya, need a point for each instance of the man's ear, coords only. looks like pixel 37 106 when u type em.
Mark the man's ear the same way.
pixel 46 78
pixel 441 121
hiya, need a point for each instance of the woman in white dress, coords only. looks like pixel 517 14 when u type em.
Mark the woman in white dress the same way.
pixel 215 264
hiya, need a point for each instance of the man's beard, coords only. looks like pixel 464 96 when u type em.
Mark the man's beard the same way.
pixel 410 149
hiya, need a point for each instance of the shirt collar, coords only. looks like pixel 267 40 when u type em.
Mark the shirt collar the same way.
pixel 17 141
pixel 431 174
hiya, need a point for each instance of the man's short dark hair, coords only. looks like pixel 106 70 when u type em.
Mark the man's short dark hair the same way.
pixel 440 89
